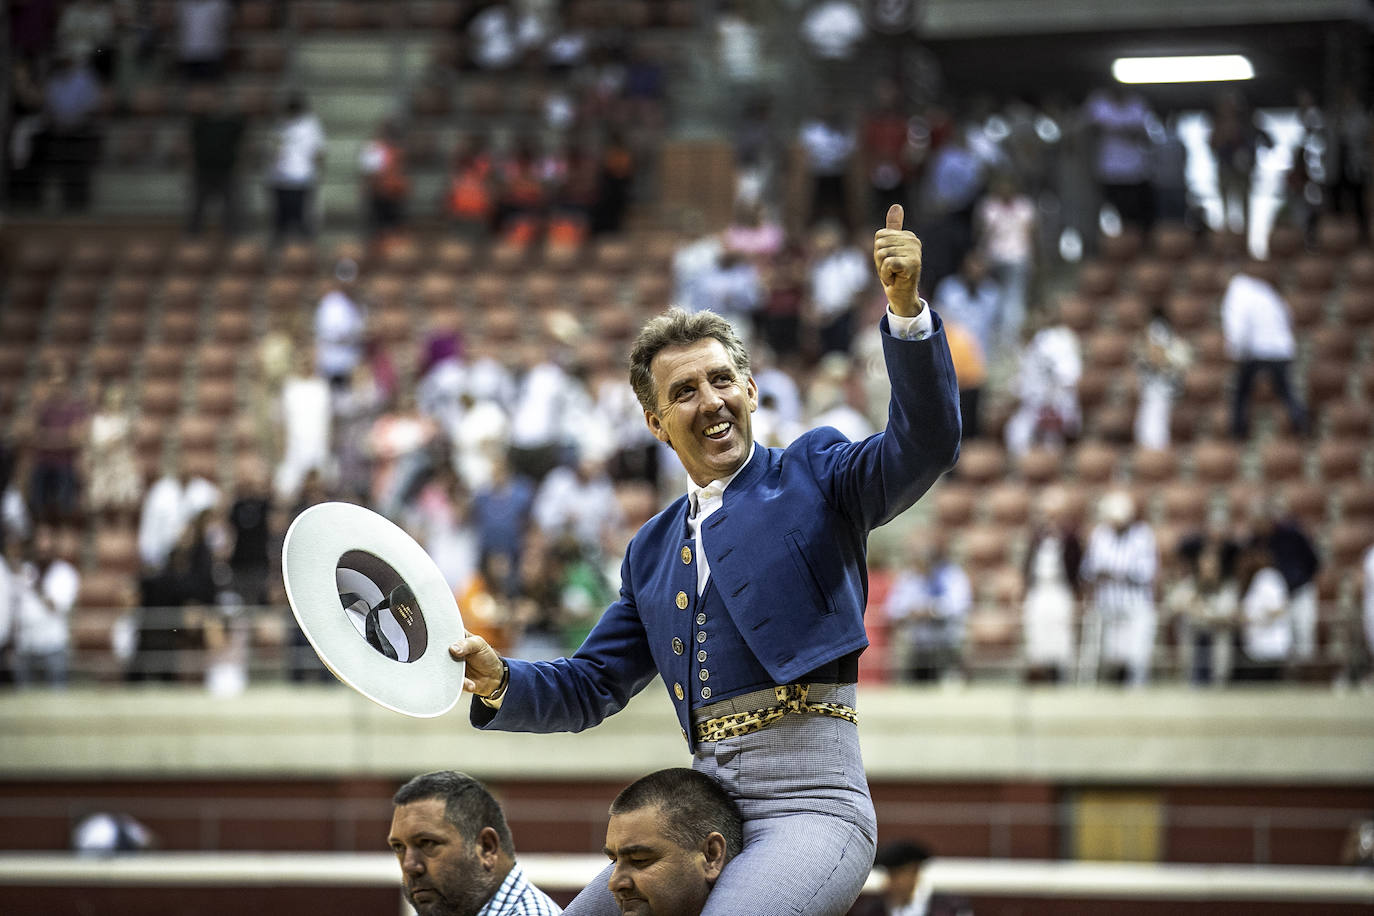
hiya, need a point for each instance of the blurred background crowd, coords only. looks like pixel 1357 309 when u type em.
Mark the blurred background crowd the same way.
pixel 421 298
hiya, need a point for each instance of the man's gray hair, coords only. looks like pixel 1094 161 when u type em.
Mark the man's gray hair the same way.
pixel 679 328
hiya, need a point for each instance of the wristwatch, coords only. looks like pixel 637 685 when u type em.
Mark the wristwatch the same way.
pixel 495 696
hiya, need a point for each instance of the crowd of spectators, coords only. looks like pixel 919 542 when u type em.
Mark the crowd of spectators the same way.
pixel 514 450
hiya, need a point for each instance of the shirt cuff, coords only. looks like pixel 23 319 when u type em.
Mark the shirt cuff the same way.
pixel 917 327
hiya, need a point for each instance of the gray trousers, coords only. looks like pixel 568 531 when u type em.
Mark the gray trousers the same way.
pixel 809 826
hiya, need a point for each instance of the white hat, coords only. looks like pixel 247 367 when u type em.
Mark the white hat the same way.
pixel 375 607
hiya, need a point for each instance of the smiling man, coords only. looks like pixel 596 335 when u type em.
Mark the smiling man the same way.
pixel 747 596
pixel 668 840
pixel 455 851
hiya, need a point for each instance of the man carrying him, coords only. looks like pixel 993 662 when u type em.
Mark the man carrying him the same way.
pixel 455 850
pixel 669 837
pixel 747 595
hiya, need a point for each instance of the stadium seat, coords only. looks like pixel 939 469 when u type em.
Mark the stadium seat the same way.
pixel 1097 280
pixel 1326 382
pixel 164 361
pixel 1094 386
pixel 39 257
pixel 1172 242
pixel 981 462
pixel 217 359
pixel 1189 311
pixel 246 257
pixel 26 291
pixel 1203 276
pixel 14 359
pixel 1337 236
pixel 20 324
pixel 180 326
pixel 1184 503
pixel 298 259
pixel 159 398
pixel 142 256
pixel 90 256
pixel 1122 248
pixel 1347 542
pixel 116 549
pixel 1340 459
pixel 1008 504
pixel 1095 462
pixel 1333 343
pixel 1347 419
pixel 1307 308
pixel 983 547
pixel 1205 383
pixel 1107 348
pixel 1359 269
pixel 453 256
pixel 216 398
pixel 1039 465
pixel 254 15
pixel 1306 501
pixel 1153 465
pixel 195 258
pixel 72 325
pixel 232 325
pixel 954 504
pixel 199 431
pixel 1357 306
pixel 1285 242
pixel 433 15
pixel 1215 461
pixel 1282 461
pixel 1314 273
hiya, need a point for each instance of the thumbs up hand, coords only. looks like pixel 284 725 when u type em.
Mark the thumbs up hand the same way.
pixel 897 255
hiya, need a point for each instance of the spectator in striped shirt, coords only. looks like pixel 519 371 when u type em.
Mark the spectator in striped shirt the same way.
pixel 456 853
pixel 1119 569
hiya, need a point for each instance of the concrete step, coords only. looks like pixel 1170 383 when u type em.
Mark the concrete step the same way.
pixel 336 61
pixel 350 111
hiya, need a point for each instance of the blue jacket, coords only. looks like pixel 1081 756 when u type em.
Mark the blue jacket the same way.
pixel 788 555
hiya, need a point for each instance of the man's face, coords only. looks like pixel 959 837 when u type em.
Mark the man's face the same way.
pixel 652 875
pixel 704 409
pixel 901 883
pixel 444 873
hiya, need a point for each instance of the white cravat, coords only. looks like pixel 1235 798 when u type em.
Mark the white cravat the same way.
pixel 702 502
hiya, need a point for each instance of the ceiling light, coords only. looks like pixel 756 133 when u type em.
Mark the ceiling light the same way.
pixel 1204 68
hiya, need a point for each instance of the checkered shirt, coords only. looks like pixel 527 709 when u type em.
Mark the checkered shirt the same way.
pixel 518 897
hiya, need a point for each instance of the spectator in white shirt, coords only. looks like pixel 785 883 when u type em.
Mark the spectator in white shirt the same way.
pixel 203 37
pixel 1047 387
pixel 829 145
pixel 577 501
pixel 1266 633
pixel 1259 337
pixel 928 606
pixel 307 417
pixel 45 588
pixel 839 279
pixel 299 156
pixel 339 328
pixel 174 499
pixel 1119 568
pixel 1005 221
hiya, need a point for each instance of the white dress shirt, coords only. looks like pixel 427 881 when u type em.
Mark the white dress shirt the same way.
pixel 1254 321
